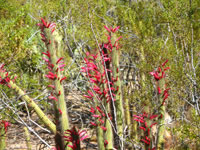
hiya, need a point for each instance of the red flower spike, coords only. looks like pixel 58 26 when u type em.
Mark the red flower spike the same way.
pixel 115 29
pixel 96 116
pixel 1 66
pixel 159 70
pixel 153 124
pixel 52 30
pixel 143 128
pixel 148 131
pixel 159 90
pixel 87 96
pixel 75 137
pixel 153 116
pixel 53 98
pixel 145 141
pixel 103 114
pixel 44 23
pixel 90 93
pixel 105 143
pixel 61 66
pixel 51 76
pixel 99 109
pixel 47 54
pixel 101 121
pixel 52 86
pixel 59 60
pixel 46 60
pixel 103 128
pixel 164 63
pixel 139 117
pixel 6 125
pixel 92 110
pixel 107 28
pixel 138 120
pixel 63 79
pixel 118 39
pixel 145 124
pixel 148 139
pixel 60 111
pixel 166 68
pixel 92 123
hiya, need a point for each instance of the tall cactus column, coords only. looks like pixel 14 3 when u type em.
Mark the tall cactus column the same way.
pixel 161 121
pixel 117 85
pixel 105 90
pixel 55 66
pixel 5 79
pixel 162 91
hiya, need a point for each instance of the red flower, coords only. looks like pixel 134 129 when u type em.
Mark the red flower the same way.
pixel 6 125
pixel 75 137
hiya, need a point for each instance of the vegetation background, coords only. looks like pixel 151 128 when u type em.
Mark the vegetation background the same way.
pixel 152 31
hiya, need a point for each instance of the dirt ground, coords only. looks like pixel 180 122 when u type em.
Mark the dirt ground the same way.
pixel 79 115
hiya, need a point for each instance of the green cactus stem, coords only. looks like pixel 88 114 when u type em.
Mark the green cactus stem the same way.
pixel 115 55
pixel 100 138
pixel 134 133
pixel 28 139
pixel 63 121
pixel 2 139
pixel 48 123
pixel 161 121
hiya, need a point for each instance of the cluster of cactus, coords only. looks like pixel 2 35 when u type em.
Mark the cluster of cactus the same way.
pixel 146 120
pixel 102 72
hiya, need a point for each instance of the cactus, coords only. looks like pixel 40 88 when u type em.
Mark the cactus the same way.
pixel 117 84
pixel 55 66
pixel 106 91
pixel 75 137
pixel 146 119
pixel 2 139
pixel 28 143
pixel 3 130
pixel 5 79
pixel 162 91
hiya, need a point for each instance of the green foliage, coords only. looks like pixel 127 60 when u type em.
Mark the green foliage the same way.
pixel 152 31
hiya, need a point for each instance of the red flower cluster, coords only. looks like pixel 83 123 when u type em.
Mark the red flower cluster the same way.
pixel 4 76
pixel 6 124
pixel 44 25
pixel 75 137
pixel 101 79
pixel 142 118
pixel 158 75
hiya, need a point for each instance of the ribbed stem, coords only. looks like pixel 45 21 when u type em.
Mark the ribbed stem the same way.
pixel 63 121
pixel 48 123
pixel 2 139
pixel 115 55
pixel 161 121
pixel 28 139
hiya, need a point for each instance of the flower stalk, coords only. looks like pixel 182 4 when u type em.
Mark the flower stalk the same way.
pixel 105 90
pixel 5 79
pixel 162 91
pixel 55 66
